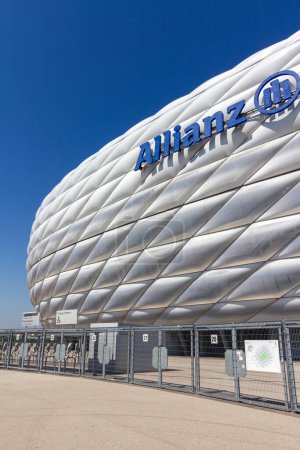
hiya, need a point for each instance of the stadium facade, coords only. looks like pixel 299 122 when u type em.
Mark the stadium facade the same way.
pixel 191 217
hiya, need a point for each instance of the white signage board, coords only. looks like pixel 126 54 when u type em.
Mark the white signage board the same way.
pixel 104 325
pixel 66 317
pixel 30 319
pixel 145 337
pixel 214 339
pixel 262 356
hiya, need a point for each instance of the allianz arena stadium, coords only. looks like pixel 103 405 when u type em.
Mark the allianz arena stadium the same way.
pixel 191 217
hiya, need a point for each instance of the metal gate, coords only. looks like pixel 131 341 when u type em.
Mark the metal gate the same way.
pixel 24 350
pixel 49 360
pixel 264 382
pixel 62 352
pixel 144 367
pixel 163 357
pixel 213 345
pixel 177 369
pixel 107 354
pixel 237 363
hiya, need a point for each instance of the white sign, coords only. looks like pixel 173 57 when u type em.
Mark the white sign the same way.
pixel 239 354
pixel 262 356
pixel 66 317
pixel 94 337
pixel 51 337
pixel 145 337
pixel 213 338
pixel 17 337
pixel 104 325
pixel 30 319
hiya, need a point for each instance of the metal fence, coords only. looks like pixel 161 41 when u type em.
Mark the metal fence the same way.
pixel 257 363
pixel 244 363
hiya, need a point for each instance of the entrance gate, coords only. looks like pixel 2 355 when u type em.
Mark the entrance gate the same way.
pixel 62 352
pixel 107 354
pixel 24 350
pixel 244 363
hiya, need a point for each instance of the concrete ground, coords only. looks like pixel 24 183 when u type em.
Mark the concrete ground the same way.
pixel 42 411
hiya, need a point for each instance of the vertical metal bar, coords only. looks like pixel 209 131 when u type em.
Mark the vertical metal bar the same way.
pixel 78 338
pixel 197 361
pixel 192 360
pixel 159 358
pixel 128 355
pixel 283 369
pixel 61 342
pixel 24 349
pixel 92 345
pixel 6 355
pixel 82 353
pixel 103 356
pixel 9 349
pixel 234 362
pixel 41 351
pixel 290 368
pixel 131 380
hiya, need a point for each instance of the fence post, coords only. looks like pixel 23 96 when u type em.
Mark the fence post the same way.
pixel 131 377
pixel 24 348
pixel 61 342
pixel 83 353
pixel 192 359
pixel 282 365
pixel 41 351
pixel 290 367
pixel 197 361
pixel 8 349
pixel 235 375
pixel 103 355
pixel 159 358
pixel 128 354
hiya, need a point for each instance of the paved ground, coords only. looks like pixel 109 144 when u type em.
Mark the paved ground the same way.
pixel 41 411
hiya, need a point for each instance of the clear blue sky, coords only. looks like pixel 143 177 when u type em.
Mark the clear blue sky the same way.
pixel 76 74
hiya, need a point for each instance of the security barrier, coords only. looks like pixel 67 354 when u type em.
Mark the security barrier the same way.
pixel 211 345
pixel 24 349
pixel 267 385
pixel 106 354
pixel 178 371
pixel 163 357
pixel 62 352
pixel 257 364
pixel 244 363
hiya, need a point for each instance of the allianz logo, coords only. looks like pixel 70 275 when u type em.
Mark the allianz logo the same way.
pixel 273 95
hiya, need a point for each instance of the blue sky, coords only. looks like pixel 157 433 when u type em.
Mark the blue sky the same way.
pixel 76 74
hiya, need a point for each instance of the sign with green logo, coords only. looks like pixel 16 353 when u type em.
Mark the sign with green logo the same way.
pixel 263 356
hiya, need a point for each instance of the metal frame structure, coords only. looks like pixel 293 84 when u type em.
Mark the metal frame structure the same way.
pixel 204 360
